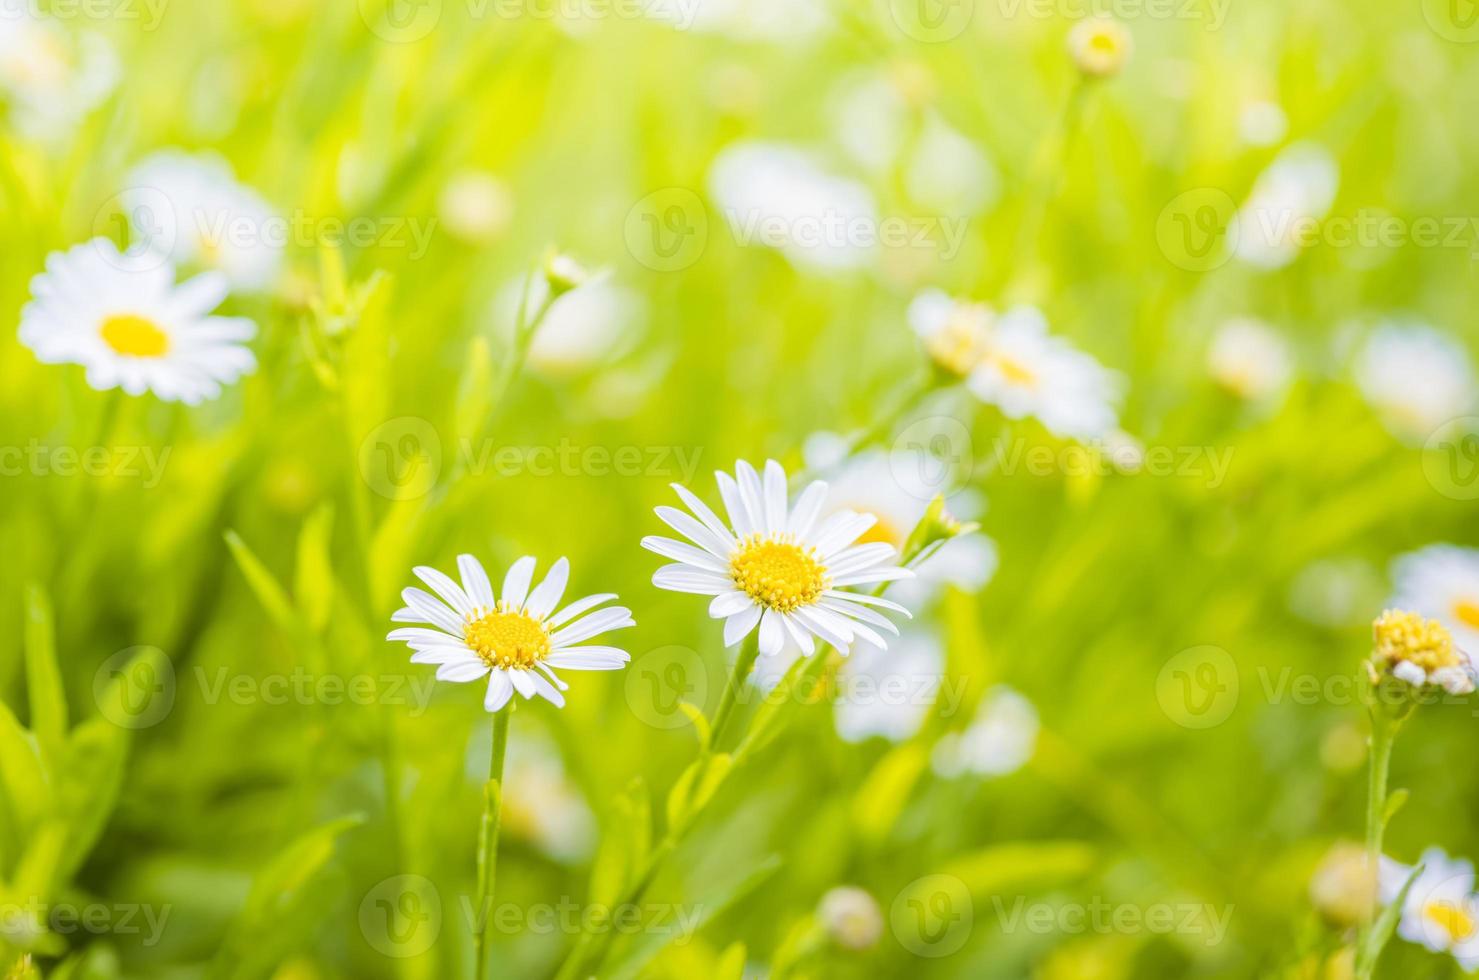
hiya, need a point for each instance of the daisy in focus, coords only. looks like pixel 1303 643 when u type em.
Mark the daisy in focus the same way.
pixel 777 566
pixel 1028 371
pixel 1442 581
pixel 1441 911
pixel 1417 378
pixel 193 209
pixel 123 318
pixel 517 640
pixel 1420 652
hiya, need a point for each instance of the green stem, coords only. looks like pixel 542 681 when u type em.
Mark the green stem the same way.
pixel 1383 735
pixel 488 840
pixel 743 664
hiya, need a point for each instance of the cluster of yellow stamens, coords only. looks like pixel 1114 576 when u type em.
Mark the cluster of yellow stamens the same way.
pixel 134 336
pixel 507 639
pixel 778 573
pixel 1453 918
pixel 1405 636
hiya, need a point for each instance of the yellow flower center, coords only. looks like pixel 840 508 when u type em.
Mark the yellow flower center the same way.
pixel 1466 611
pixel 1452 917
pixel 134 336
pixel 778 573
pixel 507 639
pixel 1015 372
pixel 960 344
pixel 882 532
pixel 1105 42
pixel 1407 636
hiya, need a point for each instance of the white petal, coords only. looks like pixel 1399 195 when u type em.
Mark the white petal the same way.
pixel 579 606
pixel 871 577
pixel 545 689
pixel 691 529
pixel 421 635
pixel 475 581
pixel 522 682
pixel 859 612
pixel 439 655
pixel 772 633
pixel 808 507
pixel 616 617
pixel 682 578
pixel 443 586
pixel 500 689
pixel 774 500
pixel 738 626
pixel 867 600
pixel 431 610
pixel 516 583
pixel 753 495
pixel 840 530
pixel 857 558
pixel 685 553
pixel 589 658
pixel 462 670
pixel 744 523
pixel 546 596
pixel 800 634
pixel 706 516
pixel 829 626
pixel 729 603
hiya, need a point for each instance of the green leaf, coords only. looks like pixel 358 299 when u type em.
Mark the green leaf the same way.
pixel 88 784
pixel 700 724
pixel 269 592
pixel 1395 802
pixel 1381 929
pixel 1007 868
pixel 625 845
pixel 880 799
pixel 43 677
pixel 284 907
pixel 25 789
pixel 313 579
pixel 731 965
pixel 474 391
pixel 695 788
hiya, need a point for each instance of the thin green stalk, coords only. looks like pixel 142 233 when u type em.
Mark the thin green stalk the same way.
pixel 1383 735
pixel 488 840
pixel 743 664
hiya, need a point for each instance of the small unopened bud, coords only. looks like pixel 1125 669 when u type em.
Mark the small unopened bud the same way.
pixel 563 273
pixel 936 527
pixel 1343 887
pixel 851 917
pixel 1100 46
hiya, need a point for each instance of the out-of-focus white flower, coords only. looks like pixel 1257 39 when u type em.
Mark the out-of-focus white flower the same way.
pixel 999 741
pixel 583 328
pixel 1442 581
pixel 879 124
pixel 1031 372
pixel 50 77
pixel 475 206
pixel 955 332
pixel 1250 359
pixel 1343 889
pixel 1416 377
pixel 541 804
pixel 192 208
pixel 1441 911
pixel 888 693
pixel 1100 45
pixel 1295 191
pixel 779 195
pixel 778 566
pixel 123 318
pixel 851 917
pixel 789 21
pixel 1262 123
pixel 866 483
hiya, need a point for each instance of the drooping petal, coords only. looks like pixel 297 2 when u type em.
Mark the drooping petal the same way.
pixel 738 626
pixel 800 635
pixel 772 633
pixel 544 688
pixel 500 689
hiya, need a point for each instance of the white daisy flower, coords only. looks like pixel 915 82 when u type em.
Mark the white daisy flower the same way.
pixel 998 742
pixel 518 641
pixel 193 209
pixel 851 917
pixel 1441 911
pixel 1249 359
pixel 1099 45
pixel 780 196
pixel 778 566
pixel 1442 581
pixel 51 77
pixel 786 21
pixel 1416 377
pixel 1296 189
pixel 956 332
pixel 123 318
pixel 1028 371
pixel 583 328
pixel 475 206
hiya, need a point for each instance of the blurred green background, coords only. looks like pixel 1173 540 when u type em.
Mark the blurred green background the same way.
pixel 276 833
